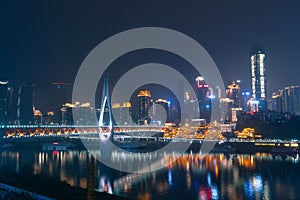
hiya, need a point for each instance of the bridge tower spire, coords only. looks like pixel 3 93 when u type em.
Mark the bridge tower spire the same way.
pixel 106 109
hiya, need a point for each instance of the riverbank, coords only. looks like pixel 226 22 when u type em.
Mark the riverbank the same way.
pixel 41 184
pixel 234 146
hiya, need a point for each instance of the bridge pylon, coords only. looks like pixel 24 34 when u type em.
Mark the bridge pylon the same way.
pixel 106 109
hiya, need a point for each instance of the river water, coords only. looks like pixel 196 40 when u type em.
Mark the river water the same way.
pixel 191 176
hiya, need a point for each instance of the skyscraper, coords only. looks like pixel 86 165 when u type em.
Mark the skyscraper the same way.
pixel 226 110
pixel 4 101
pixel 144 104
pixel 246 95
pixel 122 113
pixel 83 114
pixel 258 77
pixel 233 92
pixel 160 112
pixel 25 104
pixel 291 100
pixel 203 99
pixel 277 103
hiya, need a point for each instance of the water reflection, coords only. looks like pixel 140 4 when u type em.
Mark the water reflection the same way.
pixel 71 167
pixel 217 176
pixel 191 176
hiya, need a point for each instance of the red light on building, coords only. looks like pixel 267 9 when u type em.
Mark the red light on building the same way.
pixel 202 86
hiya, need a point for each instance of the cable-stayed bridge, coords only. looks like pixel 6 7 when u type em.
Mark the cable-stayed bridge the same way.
pixel 20 131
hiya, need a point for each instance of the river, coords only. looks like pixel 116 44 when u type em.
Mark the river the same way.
pixel 191 176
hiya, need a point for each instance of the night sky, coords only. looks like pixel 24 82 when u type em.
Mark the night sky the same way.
pixel 46 41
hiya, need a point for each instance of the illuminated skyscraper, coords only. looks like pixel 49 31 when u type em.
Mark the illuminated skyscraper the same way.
pixel 258 77
pixel 203 99
pixel 25 104
pixel 144 104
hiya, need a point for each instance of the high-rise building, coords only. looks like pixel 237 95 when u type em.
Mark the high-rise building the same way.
pixel 144 104
pixel 83 114
pixel 190 108
pixel 291 100
pixel 122 113
pixel 253 105
pixel 203 99
pixel 226 106
pixel 233 92
pixel 25 104
pixel 258 77
pixel 67 114
pixel 4 101
pixel 276 102
pixel 246 95
pixel 160 112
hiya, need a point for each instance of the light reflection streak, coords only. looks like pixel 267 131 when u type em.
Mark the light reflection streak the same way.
pixel 170 177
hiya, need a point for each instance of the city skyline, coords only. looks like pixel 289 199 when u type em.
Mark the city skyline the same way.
pixel 49 44
pixel 150 99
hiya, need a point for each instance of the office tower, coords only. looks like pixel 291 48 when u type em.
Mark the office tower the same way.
pixel 190 107
pixel 144 104
pixel 253 105
pixel 258 77
pixel 246 97
pixel 67 114
pixel 233 92
pixel 4 101
pixel 25 104
pixel 203 99
pixel 160 112
pixel 226 106
pixel 276 102
pixel 122 113
pixel 291 100
pixel 83 114
pixel 215 94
